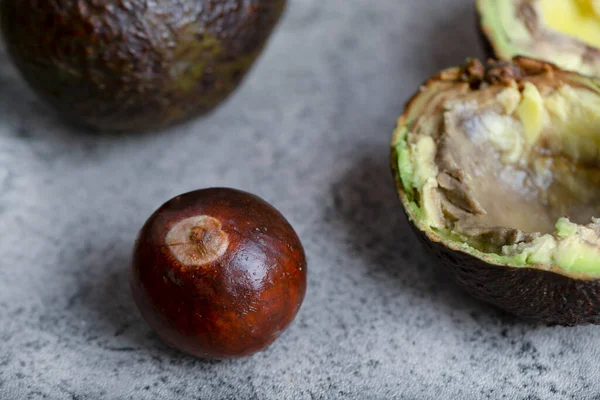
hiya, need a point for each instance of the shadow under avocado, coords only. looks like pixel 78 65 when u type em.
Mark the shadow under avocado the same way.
pixel 371 214
pixel 367 204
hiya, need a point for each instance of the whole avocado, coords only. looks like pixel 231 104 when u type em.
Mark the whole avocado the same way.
pixel 136 65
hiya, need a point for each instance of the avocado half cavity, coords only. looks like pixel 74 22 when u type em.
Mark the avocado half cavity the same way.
pixel 564 32
pixel 498 170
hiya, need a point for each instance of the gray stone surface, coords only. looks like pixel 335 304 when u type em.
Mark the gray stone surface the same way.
pixel 308 131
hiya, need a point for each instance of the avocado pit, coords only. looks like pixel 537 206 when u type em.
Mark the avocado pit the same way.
pixel 218 273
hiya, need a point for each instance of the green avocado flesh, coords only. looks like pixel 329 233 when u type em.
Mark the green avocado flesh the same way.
pixel 507 172
pixel 564 32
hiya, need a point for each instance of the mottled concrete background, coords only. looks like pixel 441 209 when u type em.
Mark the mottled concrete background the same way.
pixel 308 131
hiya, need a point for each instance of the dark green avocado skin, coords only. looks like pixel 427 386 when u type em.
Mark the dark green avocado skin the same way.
pixel 136 65
pixel 536 295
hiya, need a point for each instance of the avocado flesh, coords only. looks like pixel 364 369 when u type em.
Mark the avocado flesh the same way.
pixel 496 171
pixel 564 32
pixel 579 19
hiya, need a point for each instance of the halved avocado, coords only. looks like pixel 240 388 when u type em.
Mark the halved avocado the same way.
pixel 564 32
pixel 498 171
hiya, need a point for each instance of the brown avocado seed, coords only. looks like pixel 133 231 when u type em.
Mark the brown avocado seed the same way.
pixel 218 273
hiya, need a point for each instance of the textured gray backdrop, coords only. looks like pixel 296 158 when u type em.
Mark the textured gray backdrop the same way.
pixel 309 132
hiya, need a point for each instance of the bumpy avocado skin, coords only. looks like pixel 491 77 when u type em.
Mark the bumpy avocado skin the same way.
pixel 530 293
pixel 135 65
